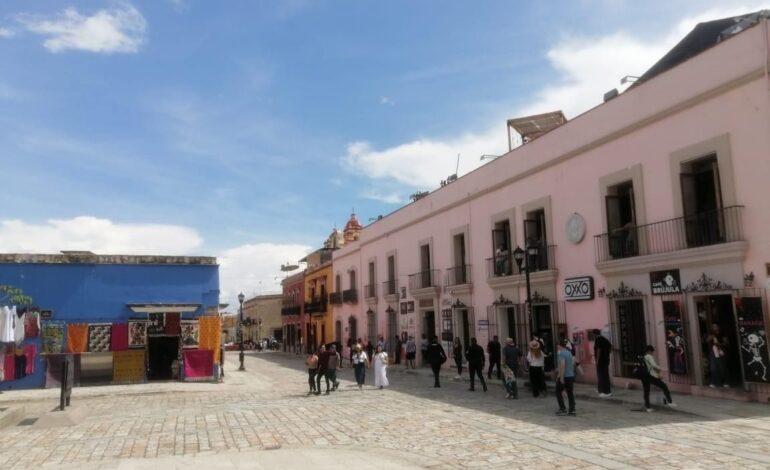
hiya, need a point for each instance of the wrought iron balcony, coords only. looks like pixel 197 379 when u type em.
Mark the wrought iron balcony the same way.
pixel 316 306
pixel 692 231
pixel 335 298
pixel 424 279
pixel 458 275
pixel 370 291
pixel 350 296
pixel 294 310
pixel 389 287
pixel 505 265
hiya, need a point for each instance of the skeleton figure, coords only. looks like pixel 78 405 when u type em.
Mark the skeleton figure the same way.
pixel 753 345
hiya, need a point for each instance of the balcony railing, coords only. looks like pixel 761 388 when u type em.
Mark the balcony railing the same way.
pixel 315 306
pixel 424 279
pixel 335 298
pixel 350 296
pixel 370 291
pixel 389 287
pixel 505 264
pixel 692 231
pixel 458 275
pixel 290 310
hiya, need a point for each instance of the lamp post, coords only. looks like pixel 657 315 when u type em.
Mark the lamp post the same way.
pixel 518 256
pixel 240 330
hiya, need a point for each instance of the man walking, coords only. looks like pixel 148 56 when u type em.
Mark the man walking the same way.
pixel 565 379
pixel 512 355
pixel 475 356
pixel 602 350
pixel 323 366
pixel 334 363
pixel 493 348
pixel 397 352
pixel 435 357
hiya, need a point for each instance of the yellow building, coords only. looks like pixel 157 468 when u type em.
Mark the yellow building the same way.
pixel 318 277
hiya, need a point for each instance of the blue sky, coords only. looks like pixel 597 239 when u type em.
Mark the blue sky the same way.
pixel 247 130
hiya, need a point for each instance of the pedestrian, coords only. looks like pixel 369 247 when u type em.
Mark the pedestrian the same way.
pixel 717 359
pixel 323 365
pixel 424 345
pixel 457 354
pixel 411 352
pixel 397 352
pixel 652 377
pixel 536 361
pixel 602 350
pixel 380 368
pixel 360 361
pixel 475 356
pixel 370 351
pixel 334 363
pixel 381 343
pixel 512 367
pixel 493 348
pixel 435 357
pixel 351 348
pixel 565 378
pixel 312 365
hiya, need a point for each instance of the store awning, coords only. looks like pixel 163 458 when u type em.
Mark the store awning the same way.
pixel 161 308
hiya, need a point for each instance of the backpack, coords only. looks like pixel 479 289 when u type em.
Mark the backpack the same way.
pixel 640 369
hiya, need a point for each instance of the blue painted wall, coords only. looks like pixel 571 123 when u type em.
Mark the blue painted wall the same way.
pixel 94 293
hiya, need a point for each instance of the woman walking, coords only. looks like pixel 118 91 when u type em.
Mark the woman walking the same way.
pixel 380 368
pixel 411 352
pixel 312 365
pixel 457 353
pixel 536 361
pixel 360 361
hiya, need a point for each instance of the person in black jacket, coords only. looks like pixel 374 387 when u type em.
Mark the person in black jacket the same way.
pixel 493 348
pixel 602 350
pixel 436 356
pixel 475 356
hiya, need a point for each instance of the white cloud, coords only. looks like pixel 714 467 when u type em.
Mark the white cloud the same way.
pixel 394 197
pixel 180 6
pixel 588 66
pixel 101 236
pixel 120 29
pixel 7 33
pixel 255 268
pixel 384 100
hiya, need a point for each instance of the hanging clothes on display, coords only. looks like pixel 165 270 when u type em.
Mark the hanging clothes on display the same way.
pixel 7 324
pixel 20 364
pixel 189 334
pixel 119 337
pixel 18 328
pixel 30 352
pixel 172 324
pixel 32 325
pixel 53 337
pixel 210 331
pixel 77 338
pixel 99 337
pixel 9 361
pixel 137 333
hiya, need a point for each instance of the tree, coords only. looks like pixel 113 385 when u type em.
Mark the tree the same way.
pixel 14 295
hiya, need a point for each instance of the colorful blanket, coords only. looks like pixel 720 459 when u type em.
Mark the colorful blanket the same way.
pixel 119 337
pixel 128 366
pixel 137 333
pixel 156 325
pixel 189 335
pixel 53 337
pixel 77 338
pixel 198 364
pixel 99 335
pixel 210 334
pixel 172 323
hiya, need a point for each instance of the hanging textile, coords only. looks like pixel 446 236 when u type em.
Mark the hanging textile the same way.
pixel 210 334
pixel 18 328
pixel 30 352
pixel 53 337
pixel 77 338
pixel 7 323
pixel 128 366
pixel 189 334
pixel 20 364
pixel 32 325
pixel 119 337
pixel 156 324
pixel 198 364
pixel 172 323
pixel 137 333
pixel 9 363
pixel 99 337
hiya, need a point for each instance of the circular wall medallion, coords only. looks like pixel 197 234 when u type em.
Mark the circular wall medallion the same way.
pixel 576 228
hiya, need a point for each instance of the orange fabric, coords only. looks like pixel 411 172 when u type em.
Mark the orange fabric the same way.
pixel 77 338
pixel 210 334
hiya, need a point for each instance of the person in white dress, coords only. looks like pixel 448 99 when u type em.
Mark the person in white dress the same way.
pixel 380 368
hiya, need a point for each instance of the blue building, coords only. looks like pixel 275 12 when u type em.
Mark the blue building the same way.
pixel 85 289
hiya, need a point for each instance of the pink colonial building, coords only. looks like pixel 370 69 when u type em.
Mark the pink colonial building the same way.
pixel 647 217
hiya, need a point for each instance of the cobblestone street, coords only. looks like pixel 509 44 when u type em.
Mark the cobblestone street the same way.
pixel 263 418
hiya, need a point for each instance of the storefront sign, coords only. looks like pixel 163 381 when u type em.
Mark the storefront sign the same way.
pixel 675 342
pixel 483 324
pixel 46 314
pixel 579 288
pixel 403 308
pixel 665 282
pixel 751 328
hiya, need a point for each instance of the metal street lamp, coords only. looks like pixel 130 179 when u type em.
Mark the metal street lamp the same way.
pixel 241 297
pixel 518 256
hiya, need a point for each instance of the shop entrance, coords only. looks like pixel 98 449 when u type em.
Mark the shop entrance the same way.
pixel 162 351
pixel 716 320
pixel 464 324
pixel 542 326
pixel 429 323
pixel 632 335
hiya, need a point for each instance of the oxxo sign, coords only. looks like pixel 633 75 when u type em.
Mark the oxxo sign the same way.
pixel 579 288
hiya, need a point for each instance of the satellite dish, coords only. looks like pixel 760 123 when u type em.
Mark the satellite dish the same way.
pixel 289 267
